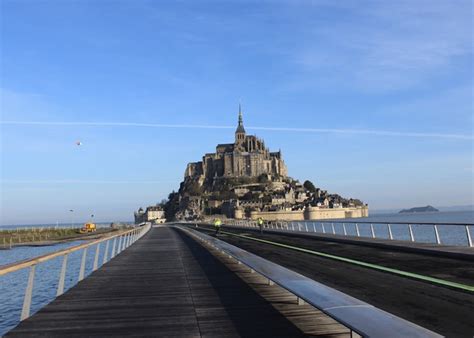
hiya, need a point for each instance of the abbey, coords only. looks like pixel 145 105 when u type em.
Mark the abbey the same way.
pixel 244 179
pixel 246 157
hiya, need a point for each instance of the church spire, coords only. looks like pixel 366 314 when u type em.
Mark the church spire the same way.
pixel 241 121
pixel 240 132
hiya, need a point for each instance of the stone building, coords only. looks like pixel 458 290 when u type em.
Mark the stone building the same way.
pixel 154 214
pixel 247 156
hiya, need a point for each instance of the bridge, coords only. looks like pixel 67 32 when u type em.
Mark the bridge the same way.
pixel 181 280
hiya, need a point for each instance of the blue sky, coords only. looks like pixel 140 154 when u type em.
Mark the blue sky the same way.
pixel 368 99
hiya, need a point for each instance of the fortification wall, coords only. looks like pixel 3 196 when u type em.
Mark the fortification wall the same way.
pixel 297 215
pixel 311 213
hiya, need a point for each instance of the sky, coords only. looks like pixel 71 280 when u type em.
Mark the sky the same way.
pixel 367 99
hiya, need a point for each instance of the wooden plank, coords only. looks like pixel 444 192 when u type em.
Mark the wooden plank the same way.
pixel 165 285
pixel 309 320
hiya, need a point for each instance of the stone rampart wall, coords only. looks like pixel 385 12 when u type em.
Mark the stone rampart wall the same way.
pixel 310 213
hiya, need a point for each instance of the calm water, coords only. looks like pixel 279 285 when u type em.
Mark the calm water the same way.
pixel 12 286
pixel 449 234
pixel 61 225
pixel 437 217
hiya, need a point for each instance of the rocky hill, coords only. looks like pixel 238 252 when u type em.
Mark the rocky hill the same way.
pixel 428 208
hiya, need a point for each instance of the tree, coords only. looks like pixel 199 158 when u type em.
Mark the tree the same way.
pixel 309 186
pixel 172 206
pixel 263 178
pixel 247 197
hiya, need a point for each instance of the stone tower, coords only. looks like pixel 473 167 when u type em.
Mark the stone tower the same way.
pixel 240 131
pixel 247 156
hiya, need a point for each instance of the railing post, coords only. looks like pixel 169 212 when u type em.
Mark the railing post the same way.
pixel 96 258
pixel 119 244
pixel 104 260
pixel 438 240
pixel 372 230
pixel 468 234
pixel 306 226
pixel 344 228
pixel 83 265
pixel 62 277
pixel 357 230
pixel 25 312
pixel 390 235
pixel 324 229
pixel 112 254
pixel 412 237
pixel 333 230
pixel 314 227
pixel 125 241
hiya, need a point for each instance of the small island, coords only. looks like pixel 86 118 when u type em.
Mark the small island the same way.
pixel 428 208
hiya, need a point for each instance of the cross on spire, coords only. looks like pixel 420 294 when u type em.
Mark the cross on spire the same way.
pixel 241 122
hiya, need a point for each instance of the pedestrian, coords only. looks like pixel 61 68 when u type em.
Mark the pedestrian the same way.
pixel 260 224
pixel 217 225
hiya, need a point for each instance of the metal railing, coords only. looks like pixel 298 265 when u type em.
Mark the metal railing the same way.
pixel 358 227
pixel 361 318
pixel 119 243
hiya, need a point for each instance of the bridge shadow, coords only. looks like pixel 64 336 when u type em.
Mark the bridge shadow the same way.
pixel 250 313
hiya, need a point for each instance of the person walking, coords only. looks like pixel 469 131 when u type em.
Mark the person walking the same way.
pixel 217 225
pixel 260 224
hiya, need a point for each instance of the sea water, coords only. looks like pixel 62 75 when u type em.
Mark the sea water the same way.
pixel 449 234
pixel 13 285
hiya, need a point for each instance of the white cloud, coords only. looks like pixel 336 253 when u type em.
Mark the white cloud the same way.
pixel 266 128
pixel 389 45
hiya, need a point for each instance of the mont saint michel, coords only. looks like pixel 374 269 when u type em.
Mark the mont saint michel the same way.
pixel 244 179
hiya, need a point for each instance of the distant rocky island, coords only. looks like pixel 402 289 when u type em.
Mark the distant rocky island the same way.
pixel 244 179
pixel 428 208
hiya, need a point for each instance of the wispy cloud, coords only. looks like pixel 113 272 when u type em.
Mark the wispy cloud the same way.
pixel 265 128
pixel 390 46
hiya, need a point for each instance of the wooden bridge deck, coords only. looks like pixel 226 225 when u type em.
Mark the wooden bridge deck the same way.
pixel 167 284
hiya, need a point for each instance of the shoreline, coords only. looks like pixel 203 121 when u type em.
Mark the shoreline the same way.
pixel 71 238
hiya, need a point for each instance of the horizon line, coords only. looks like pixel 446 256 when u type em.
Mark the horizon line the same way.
pixel 70 181
pixel 289 129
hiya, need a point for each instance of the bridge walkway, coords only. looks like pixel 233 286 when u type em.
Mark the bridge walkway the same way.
pixel 167 284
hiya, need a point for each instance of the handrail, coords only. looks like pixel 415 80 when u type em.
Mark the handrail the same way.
pixel 385 222
pixel 125 239
pixel 373 234
pixel 360 317
pixel 353 221
pixel 15 266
